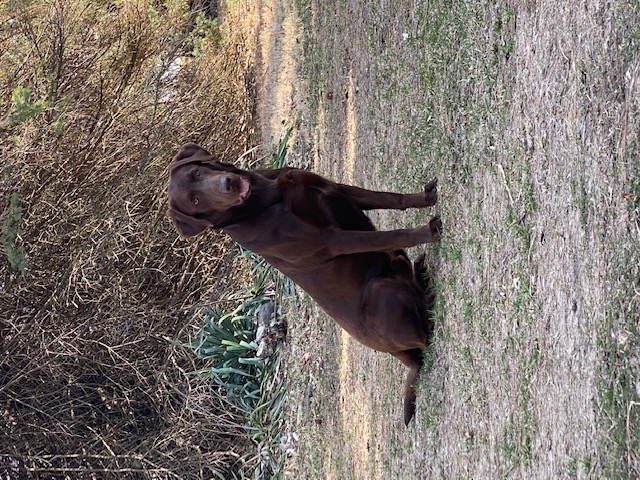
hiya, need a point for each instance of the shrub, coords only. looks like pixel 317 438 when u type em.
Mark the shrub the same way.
pixel 23 107
pixel 90 120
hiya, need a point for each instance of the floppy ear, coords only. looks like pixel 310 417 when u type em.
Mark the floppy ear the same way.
pixel 191 153
pixel 186 225
pixel 190 150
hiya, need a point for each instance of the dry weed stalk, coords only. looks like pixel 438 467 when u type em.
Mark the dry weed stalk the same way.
pixel 88 386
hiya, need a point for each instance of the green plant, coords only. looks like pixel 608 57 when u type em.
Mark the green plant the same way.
pixel 253 384
pixel 23 106
pixel 10 231
pixel 228 342
pixel 280 157
pixel 205 34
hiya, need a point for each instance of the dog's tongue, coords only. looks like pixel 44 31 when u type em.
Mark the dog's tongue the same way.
pixel 243 187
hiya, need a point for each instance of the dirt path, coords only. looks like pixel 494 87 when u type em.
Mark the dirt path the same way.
pixel 281 89
pixel 528 115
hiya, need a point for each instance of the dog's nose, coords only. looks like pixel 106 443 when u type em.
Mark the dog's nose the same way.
pixel 226 183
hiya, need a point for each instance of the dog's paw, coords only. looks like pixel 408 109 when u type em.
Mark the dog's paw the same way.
pixel 431 192
pixel 435 225
pixel 429 233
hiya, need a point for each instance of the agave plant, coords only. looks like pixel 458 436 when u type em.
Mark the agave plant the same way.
pixel 228 342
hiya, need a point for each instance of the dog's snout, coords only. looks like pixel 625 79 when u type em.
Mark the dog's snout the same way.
pixel 226 184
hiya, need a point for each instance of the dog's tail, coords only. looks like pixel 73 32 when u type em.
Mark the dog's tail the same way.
pixel 410 394
pixel 413 360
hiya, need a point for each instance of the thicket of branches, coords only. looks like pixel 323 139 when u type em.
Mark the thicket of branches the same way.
pixel 95 98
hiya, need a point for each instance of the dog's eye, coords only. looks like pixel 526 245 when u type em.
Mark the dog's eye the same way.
pixel 196 173
pixel 195 201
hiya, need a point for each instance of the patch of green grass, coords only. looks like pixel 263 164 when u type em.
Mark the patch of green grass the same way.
pixel 521 359
pixel 467 355
pixel 504 42
pixel 430 388
pixel 460 79
pixel 517 438
pixel 522 306
pixel 618 337
pixel 469 311
pixel 24 107
pixel 523 202
pixel 518 227
pixel 619 344
pixel 451 252
pixel 529 199
pixel 631 42
pixel 312 67
pixel 581 200
pixel 634 196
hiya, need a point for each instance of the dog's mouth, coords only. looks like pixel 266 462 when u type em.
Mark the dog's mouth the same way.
pixel 244 188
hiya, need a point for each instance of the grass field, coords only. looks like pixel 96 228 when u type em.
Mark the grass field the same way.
pixel 528 115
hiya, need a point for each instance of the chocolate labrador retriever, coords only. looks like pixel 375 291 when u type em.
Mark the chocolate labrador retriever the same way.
pixel 315 232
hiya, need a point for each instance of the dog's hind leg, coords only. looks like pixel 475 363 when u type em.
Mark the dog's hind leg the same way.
pixel 397 323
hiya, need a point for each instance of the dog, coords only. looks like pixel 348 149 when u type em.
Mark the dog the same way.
pixel 315 232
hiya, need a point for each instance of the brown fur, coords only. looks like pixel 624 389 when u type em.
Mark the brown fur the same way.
pixel 315 231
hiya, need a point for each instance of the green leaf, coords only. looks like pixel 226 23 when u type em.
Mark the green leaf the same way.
pixel 251 361
pixel 227 370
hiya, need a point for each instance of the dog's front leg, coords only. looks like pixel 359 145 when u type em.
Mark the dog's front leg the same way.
pixel 371 200
pixel 346 242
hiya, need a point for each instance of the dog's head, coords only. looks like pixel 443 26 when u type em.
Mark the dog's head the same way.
pixel 202 191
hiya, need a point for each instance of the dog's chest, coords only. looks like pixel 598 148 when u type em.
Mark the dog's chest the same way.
pixel 275 232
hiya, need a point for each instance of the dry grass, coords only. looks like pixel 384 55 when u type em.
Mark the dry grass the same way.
pixel 89 387
pixel 528 115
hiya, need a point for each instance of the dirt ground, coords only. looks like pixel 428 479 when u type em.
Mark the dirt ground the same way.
pixel 528 115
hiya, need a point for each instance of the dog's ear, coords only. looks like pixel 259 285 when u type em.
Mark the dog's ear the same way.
pixel 186 225
pixel 191 153
pixel 191 150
